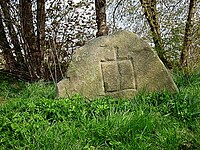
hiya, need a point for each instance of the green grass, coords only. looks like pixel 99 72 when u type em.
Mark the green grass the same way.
pixel 32 118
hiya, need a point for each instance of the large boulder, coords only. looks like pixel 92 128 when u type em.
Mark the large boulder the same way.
pixel 118 65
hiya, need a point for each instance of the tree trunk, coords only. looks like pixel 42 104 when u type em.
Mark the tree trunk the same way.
pixel 33 55
pixel 100 6
pixel 6 49
pixel 5 5
pixel 187 36
pixel 150 12
pixel 41 33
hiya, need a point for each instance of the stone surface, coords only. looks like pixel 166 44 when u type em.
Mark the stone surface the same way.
pixel 118 65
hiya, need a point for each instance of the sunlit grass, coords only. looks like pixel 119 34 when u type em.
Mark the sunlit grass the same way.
pixel 32 118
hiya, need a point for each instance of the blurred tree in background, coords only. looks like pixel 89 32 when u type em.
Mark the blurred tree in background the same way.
pixel 37 37
pixel 100 6
pixel 170 17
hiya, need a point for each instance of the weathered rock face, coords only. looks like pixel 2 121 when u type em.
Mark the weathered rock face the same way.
pixel 117 65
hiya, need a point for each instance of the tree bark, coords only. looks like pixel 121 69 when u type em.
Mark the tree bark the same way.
pixel 6 49
pixel 187 36
pixel 33 55
pixel 41 33
pixel 150 12
pixel 5 5
pixel 100 6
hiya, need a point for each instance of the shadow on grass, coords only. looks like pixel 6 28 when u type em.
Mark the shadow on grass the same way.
pixel 10 86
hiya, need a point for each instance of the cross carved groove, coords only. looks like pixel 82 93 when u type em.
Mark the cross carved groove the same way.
pixel 118 74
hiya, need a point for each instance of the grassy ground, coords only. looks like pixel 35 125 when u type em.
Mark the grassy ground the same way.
pixel 32 118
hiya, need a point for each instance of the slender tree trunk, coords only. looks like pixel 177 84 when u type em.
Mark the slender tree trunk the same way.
pixel 150 12
pixel 41 34
pixel 5 5
pixel 113 15
pixel 6 49
pixel 100 6
pixel 187 37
